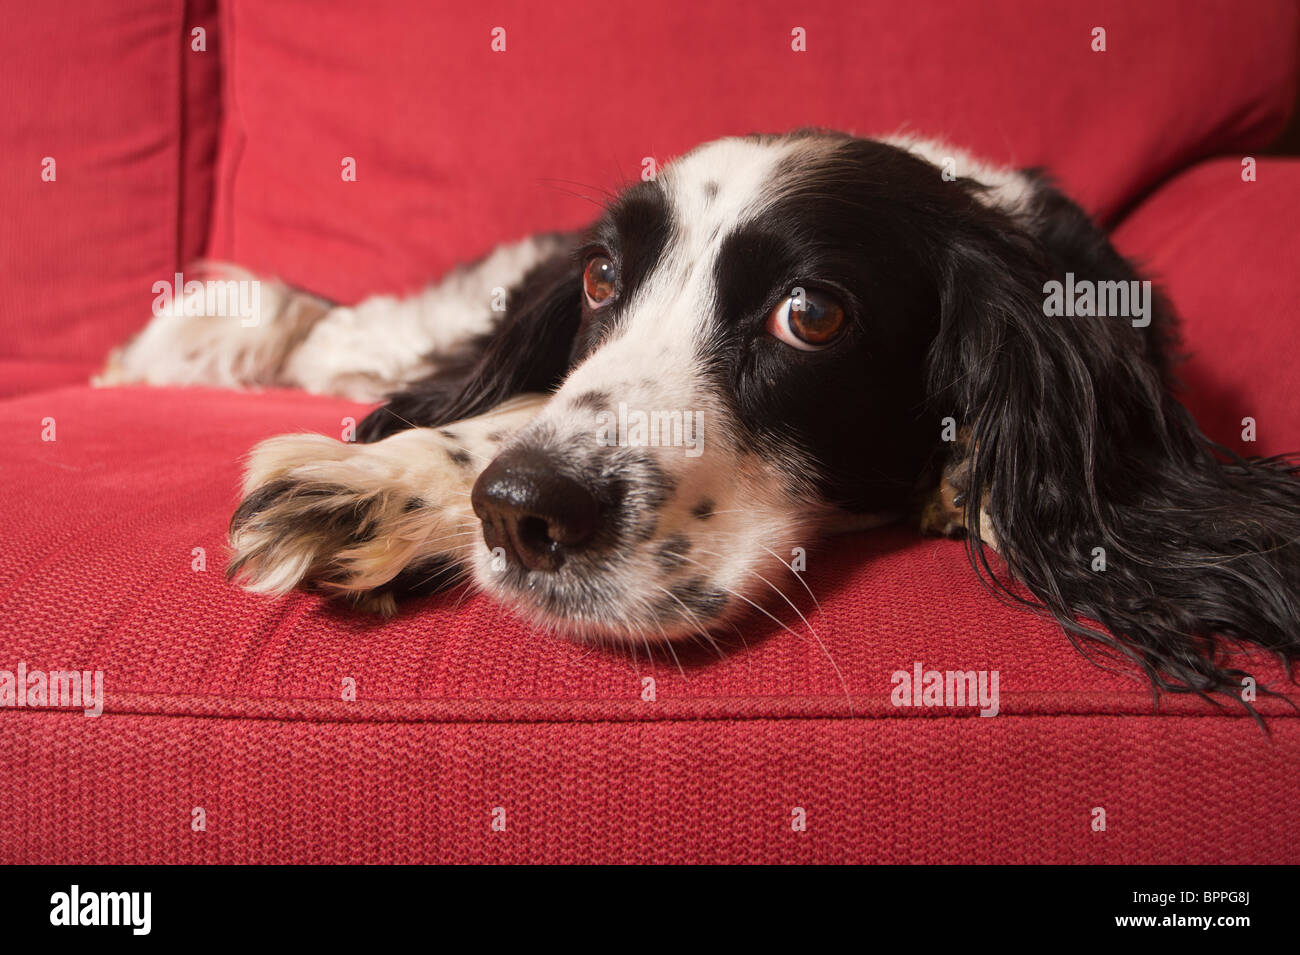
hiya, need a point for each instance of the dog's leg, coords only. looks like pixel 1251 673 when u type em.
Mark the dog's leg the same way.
pixel 943 510
pixel 295 340
pixel 347 519
pixel 383 344
pixel 194 341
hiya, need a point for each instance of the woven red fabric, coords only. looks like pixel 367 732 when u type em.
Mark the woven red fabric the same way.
pixel 233 703
pixel 112 540
pixel 1175 790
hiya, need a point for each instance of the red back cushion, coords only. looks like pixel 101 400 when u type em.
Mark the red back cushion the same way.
pixel 1224 249
pixel 458 146
pixel 127 111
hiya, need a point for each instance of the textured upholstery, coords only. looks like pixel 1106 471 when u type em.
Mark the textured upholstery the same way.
pixel 231 703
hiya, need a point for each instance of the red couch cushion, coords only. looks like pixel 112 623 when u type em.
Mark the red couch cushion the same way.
pixel 1226 251
pixel 231 702
pixel 458 147
pixel 128 112
pixel 419 790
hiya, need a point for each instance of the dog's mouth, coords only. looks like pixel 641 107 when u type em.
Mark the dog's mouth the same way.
pixel 679 572
pixel 583 543
pixel 613 602
pixel 613 570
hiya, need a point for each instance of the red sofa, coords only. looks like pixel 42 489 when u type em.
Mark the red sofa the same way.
pixel 231 703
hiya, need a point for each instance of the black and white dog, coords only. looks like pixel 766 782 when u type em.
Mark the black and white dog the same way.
pixel 623 434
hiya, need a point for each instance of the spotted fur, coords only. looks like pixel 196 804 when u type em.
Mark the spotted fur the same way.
pixel 1070 437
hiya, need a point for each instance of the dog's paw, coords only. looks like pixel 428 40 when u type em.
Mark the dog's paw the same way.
pixel 339 518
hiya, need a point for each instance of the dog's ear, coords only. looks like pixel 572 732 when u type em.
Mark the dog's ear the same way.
pixel 528 350
pixel 1101 493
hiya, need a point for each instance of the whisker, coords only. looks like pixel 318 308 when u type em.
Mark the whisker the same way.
pixel 797 576
pixel 439 540
pixel 692 615
pixel 825 652
pixel 408 423
pixel 671 649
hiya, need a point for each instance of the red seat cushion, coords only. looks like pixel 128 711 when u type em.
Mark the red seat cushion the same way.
pixel 233 703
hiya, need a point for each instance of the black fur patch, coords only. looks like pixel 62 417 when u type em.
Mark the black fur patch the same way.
pixel 426 577
pixel 634 231
pixel 671 553
pixel 870 382
pixel 333 527
pixel 350 524
pixel 530 349
pixel 700 598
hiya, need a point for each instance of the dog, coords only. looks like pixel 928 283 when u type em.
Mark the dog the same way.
pixel 777 338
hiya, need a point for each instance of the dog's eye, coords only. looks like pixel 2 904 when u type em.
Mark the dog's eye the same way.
pixel 598 280
pixel 806 320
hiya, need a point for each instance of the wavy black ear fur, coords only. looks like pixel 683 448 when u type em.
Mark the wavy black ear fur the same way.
pixel 529 349
pixel 1077 443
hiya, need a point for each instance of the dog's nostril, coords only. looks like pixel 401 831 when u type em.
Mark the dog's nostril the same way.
pixel 532 511
pixel 534 535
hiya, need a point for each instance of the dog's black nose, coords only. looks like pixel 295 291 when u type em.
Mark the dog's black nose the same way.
pixel 536 514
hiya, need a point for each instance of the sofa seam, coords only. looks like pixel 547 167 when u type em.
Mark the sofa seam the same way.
pixel 231 135
pixel 182 138
pixel 703 718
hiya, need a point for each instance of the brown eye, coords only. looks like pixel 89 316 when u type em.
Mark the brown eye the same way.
pixel 598 280
pixel 806 320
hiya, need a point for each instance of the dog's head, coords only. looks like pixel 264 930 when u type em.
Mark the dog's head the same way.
pixel 749 340
pixel 784 336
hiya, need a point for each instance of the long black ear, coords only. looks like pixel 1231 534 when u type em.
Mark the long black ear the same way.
pixel 528 350
pixel 1105 499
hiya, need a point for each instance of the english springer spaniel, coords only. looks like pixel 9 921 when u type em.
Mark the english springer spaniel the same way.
pixel 625 432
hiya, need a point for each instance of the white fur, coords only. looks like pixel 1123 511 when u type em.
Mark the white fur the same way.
pixel 183 345
pixel 1009 189
pixel 361 352
pixel 371 349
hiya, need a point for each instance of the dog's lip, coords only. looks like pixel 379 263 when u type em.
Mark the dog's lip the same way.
pixel 527 594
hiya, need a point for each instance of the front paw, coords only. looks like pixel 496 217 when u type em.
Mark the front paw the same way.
pixel 291 532
pixel 324 515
